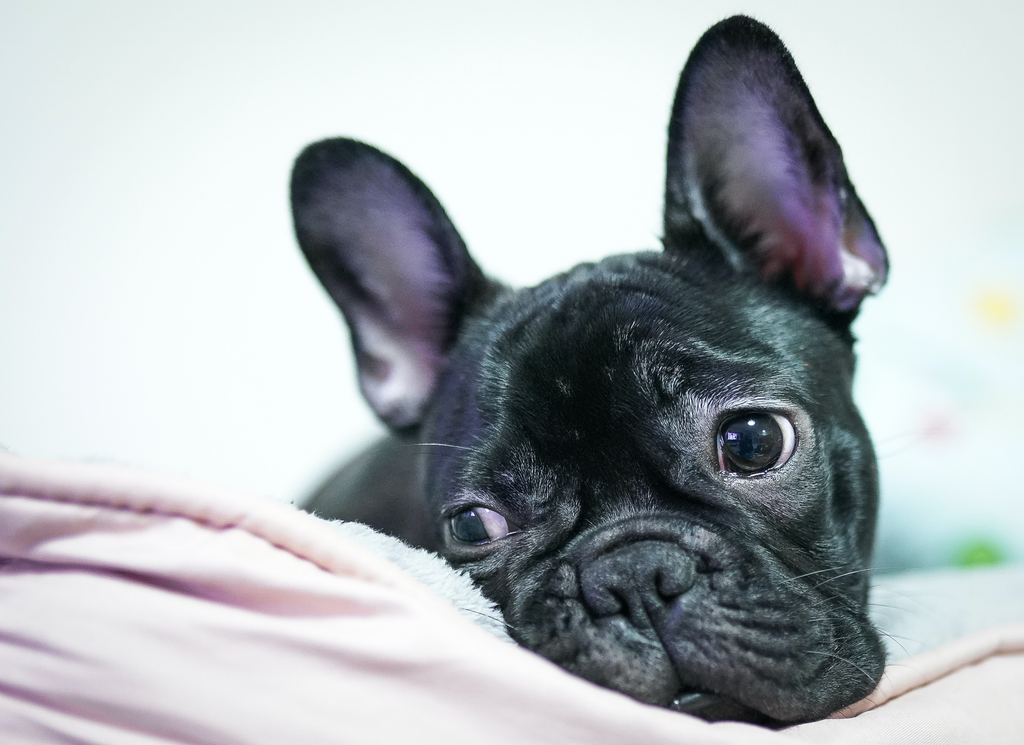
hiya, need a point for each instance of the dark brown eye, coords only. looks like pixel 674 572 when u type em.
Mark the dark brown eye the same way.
pixel 755 442
pixel 479 525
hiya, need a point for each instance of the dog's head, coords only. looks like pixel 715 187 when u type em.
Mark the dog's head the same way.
pixel 652 463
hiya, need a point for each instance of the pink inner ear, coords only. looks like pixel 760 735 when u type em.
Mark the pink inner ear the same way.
pixel 394 291
pixel 404 327
pixel 396 373
pixel 397 259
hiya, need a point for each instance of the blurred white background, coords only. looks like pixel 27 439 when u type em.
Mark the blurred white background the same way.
pixel 155 311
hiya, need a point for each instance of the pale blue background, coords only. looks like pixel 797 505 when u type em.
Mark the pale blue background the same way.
pixel 155 311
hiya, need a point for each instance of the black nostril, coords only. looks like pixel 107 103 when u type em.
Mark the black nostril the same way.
pixel 671 584
pixel 636 579
pixel 602 599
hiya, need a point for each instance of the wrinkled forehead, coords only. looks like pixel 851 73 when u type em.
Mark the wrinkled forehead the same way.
pixel 602 340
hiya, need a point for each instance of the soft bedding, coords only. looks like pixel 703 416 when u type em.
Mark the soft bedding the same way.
pixel 138 608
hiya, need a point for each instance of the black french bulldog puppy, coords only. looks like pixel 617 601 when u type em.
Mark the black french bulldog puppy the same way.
pixel 653 464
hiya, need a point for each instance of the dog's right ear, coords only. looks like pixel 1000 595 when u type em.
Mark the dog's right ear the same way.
pixel 389 256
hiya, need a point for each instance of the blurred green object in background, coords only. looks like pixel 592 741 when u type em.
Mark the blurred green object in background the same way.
pixel 979 551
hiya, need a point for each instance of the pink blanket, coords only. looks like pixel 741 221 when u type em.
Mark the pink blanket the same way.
pixel 142 609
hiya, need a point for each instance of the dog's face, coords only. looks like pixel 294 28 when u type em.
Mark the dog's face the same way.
pixel 660 475
pixel 652 463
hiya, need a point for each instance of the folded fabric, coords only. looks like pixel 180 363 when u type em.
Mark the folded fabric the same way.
pixel 138 608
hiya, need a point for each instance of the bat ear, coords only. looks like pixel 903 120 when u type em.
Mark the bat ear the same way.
pixel 754 171
pixel 389 256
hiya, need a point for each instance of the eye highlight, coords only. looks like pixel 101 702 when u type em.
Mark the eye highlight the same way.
pixel 479 525
pixel 755 442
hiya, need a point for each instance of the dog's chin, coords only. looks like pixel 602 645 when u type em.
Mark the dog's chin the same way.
pixel 714 677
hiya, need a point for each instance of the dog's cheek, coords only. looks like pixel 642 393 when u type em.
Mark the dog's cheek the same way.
pixel 500 577
pixel 855 502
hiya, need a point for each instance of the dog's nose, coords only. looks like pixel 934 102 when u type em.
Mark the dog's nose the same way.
pixel 637 579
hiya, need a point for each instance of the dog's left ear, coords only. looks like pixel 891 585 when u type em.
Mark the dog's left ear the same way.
pixel 753 169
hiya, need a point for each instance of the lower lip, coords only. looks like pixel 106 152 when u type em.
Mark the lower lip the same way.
pixel 714 708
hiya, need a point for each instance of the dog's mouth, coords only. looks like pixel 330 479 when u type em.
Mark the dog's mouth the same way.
pixel 715 708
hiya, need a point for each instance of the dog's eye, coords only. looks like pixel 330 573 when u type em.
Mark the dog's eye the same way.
pixel 755 443
pixel 479 525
